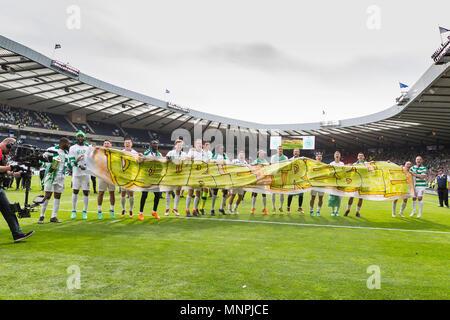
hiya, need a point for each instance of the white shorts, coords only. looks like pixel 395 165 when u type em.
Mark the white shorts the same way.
pixel 81 182
pixel 53 187
pixel 190 188
pixel 125 189
pixel 169 189
pixel 105 186
pixel 314 193
pixel 239 191
pixel 420 191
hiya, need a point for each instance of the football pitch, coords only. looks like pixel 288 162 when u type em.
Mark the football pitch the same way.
pixel 243 256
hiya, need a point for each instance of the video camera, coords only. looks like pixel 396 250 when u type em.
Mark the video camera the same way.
pixel 25 157
pixel 25 212
pixel 29 156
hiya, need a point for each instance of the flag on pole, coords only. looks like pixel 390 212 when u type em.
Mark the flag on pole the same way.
pixel 57 46
pixel 402 85
pixel 443 30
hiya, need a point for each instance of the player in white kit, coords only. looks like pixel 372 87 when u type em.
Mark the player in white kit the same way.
pixel 176 154
pixel 405 169
pixel 195 154
pixel 128 146
pixel 105 186
pixel 80 177
pixel 278 157
pixel 55 174
pixel 319 157
pixel 240 161
pixel 219 157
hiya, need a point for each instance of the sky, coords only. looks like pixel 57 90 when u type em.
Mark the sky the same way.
pixel 271 62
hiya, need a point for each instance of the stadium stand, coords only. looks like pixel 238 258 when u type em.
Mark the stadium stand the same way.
pixel 26 118
pixel 54 91
pixel 83 127
pixel 62 123
pixel 105 129
pixel 137 135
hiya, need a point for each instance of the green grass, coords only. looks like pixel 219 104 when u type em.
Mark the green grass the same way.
pixel 213 258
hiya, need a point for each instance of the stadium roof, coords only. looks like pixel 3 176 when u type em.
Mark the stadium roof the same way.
pixel 32 80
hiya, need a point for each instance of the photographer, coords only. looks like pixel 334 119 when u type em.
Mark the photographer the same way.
pixel 13 223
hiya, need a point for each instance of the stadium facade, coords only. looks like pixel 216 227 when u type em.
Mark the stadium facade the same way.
pixel 31 81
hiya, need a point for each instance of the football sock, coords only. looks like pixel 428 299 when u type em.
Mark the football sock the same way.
pixel 156 201
pixel 196 201
pixel 55 207
pixel 394 207
pixel 74 201
pixel 131 202
pixel 44 208
pixel 188 202
pixel 420 207
pixel 167 200
pixel 224 200
pixel 402 207
pixel 213 201
pixel 177 201
pixel 123 202
pixel 85 202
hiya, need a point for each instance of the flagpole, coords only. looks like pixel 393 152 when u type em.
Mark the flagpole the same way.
pixel 440 34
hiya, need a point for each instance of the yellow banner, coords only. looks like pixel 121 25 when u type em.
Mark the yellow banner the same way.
pixel 373 180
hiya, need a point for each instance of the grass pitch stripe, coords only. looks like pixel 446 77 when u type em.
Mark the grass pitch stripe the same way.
pixel 292 224
pixel 313 225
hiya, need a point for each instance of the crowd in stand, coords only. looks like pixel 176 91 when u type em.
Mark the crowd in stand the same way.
pixel 25 118
pixel 434 159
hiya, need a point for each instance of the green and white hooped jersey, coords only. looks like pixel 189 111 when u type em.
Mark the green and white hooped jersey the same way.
pixel 420 170
pixel 58 175
pixel 276 158
pixel 219 158
pixel 363 162
pixel 237 161
pixel 259 161
pixel 150 153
